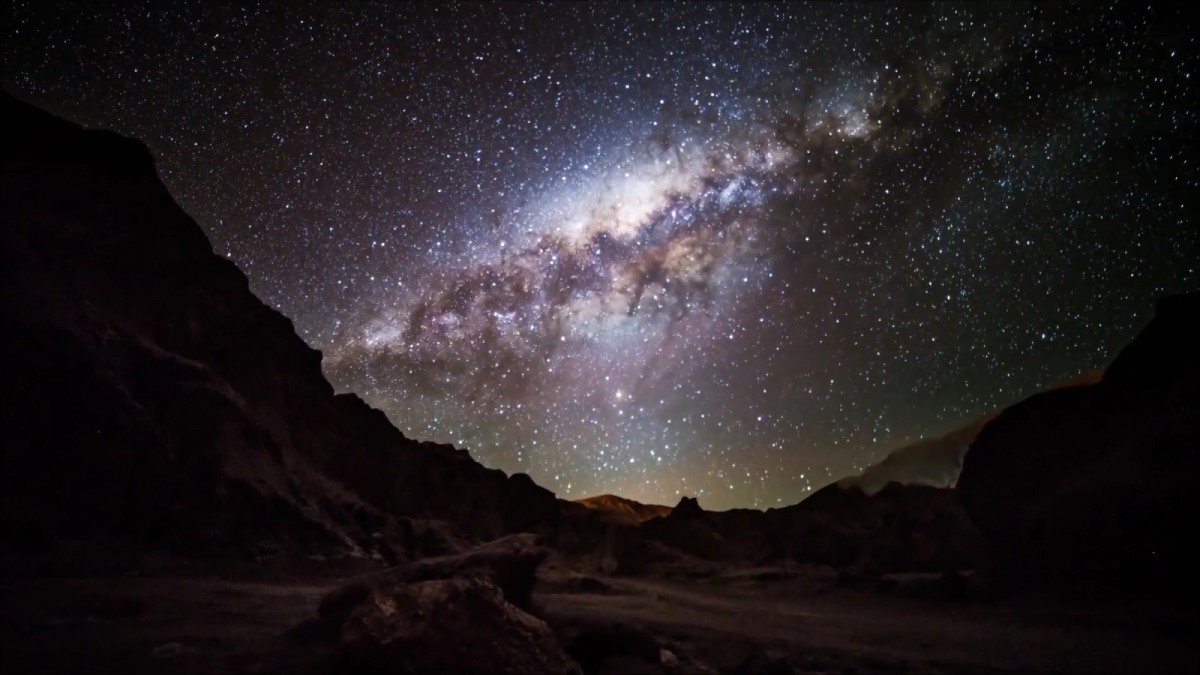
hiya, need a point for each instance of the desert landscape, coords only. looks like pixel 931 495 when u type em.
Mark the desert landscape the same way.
pixel 184 492
pixel 742 621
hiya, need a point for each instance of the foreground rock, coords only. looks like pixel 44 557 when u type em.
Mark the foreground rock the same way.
pixel 1088 487
pixel 510 564
pixel 148 394
pixel 457 614
pixel 448 626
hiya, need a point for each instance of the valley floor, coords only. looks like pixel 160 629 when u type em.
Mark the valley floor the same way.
pixel 209 625
pixel 830 629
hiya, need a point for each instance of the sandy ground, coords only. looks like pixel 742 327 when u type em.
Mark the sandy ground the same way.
pixel 210 625
pixel 907 629
pixel 148 625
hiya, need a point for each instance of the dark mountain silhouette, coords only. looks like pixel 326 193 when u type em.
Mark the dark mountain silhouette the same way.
pixel 902 528
pixel 149 394
pixel 937 461
pixel 149 397
pixel 157 398
pixel 1090 486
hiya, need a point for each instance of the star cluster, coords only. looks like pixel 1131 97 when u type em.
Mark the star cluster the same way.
pixel 727 250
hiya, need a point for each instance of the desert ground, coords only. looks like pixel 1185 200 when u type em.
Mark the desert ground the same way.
pixel 766 620
pixel 186 492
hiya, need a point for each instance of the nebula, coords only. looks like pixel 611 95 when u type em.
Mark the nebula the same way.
pixel 647 250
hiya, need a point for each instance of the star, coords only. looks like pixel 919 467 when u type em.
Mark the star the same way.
pixel 729 250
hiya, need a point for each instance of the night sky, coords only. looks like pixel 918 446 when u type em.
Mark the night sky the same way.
pixel 733 251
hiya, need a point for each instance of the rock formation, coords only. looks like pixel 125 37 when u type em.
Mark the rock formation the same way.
pixel 902 528
pixel 456 614
pixel 622 511
pixel 1090 486
pixel 937 461
pixel 149 394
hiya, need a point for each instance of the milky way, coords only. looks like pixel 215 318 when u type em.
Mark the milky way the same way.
pixel 734 251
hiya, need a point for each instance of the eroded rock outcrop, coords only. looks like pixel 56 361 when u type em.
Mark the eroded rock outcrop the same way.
pixel 462 613
pixel 1093 486
pixel 148 393
pixel 447 626
pixel 901 528
pixel 938 461
pixel 510 563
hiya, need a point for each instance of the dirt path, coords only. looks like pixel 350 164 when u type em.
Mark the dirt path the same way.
pixel 865 631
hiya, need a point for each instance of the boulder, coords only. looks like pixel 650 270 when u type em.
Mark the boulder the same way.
pixel 509 563
pixel 461 613
pixel 460 625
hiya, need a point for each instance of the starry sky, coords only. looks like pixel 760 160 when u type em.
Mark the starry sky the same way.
pixel 728 250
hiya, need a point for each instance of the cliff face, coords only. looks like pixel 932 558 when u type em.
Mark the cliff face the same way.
pixel 1091 485
pixel 148 392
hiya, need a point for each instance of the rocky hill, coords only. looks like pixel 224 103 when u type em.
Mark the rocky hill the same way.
pixel 149 394
pixel 901 528
pixel 622 511
pixel 937 461
pixel 1093 486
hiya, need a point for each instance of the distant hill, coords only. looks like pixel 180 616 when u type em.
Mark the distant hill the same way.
pixel 622 511
pixel 938 461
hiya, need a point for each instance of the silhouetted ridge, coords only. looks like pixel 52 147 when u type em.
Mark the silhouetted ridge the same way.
pixel 687 508
pixel 938 461
pixel 148 392
pixel 902 528
pixel 1085 487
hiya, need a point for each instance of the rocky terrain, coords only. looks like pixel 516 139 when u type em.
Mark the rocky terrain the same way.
pixel 185 492
pixel 901 528
pixel 621 511
pixel 937 461
pixel 1087 486
pixel 155 397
